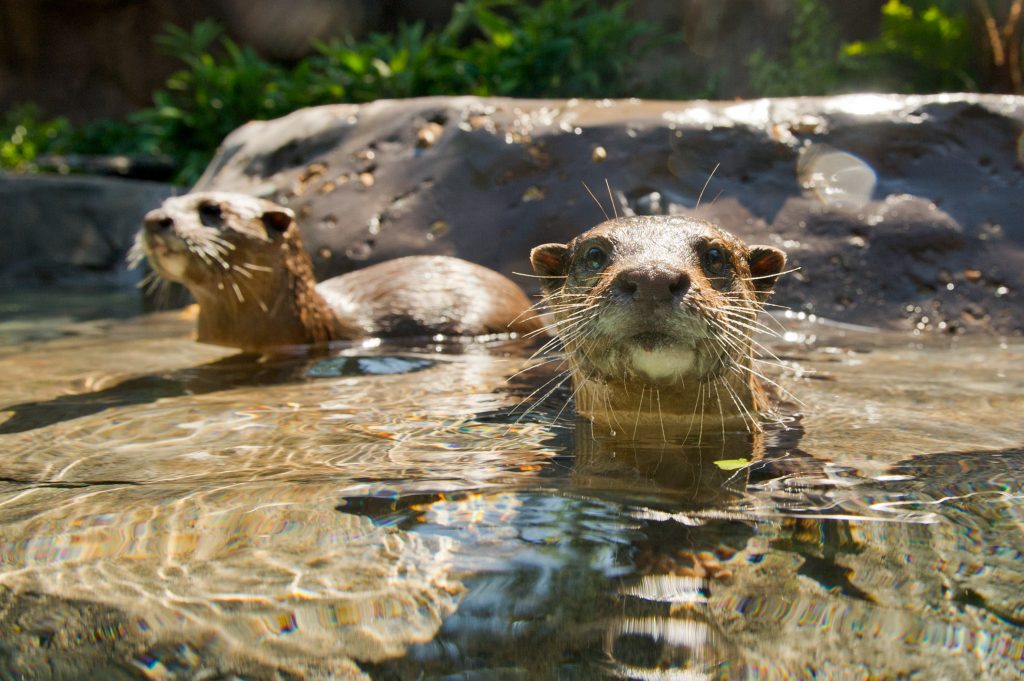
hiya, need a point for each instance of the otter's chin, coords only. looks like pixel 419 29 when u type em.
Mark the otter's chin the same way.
pixel 169 257
pixel 660 359
pixel 170 265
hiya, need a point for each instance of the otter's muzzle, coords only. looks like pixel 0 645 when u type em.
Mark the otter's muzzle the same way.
pixel 157 222
pixel 652 284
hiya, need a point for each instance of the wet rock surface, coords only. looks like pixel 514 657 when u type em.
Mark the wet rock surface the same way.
pixel 69 639
pixel 72 230
pixel 901 211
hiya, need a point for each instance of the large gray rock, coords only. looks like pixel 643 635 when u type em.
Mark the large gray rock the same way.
pixel 898 210
pixel 71 228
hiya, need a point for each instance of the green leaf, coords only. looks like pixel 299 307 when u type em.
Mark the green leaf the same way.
pixel 732 464
pixel 352 61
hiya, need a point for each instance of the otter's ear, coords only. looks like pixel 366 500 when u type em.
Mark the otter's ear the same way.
pixel 278 220
pixel 766 262
pixel 548 262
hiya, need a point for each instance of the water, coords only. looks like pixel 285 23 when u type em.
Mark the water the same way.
pixel 171 511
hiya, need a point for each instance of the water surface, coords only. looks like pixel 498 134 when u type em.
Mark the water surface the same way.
pixel 170 510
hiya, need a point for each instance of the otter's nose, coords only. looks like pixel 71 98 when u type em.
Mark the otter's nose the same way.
pixel 157 221
pixel 654 284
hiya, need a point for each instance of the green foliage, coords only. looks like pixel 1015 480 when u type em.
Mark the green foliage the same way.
pixel 409 63
pixel 109 136
pixel 560 48
pixel 217 91
pixel 810 67
pixel 24 137
pixel 555 48
pixel 924 50
pixel 922 47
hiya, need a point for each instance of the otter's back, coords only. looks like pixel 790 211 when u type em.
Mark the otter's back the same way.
pixel 427 295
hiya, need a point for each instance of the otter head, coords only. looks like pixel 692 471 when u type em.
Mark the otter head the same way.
pixel 665 304
pixel 242 259
pixel 208 241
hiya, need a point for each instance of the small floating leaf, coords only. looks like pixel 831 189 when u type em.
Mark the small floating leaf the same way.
pixel 732 464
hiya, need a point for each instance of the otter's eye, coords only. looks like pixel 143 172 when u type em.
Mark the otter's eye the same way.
pixel 210 214
pixel 714 261
pixel 595 259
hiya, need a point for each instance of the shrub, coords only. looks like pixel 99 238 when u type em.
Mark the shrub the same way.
pixel 217 91
pixel 810 67
pixel 24 137
pixel 921 47
pixel 560 48
pixel 553 48
pixel 917 51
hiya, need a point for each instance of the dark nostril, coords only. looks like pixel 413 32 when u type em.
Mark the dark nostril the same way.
pixel 158 223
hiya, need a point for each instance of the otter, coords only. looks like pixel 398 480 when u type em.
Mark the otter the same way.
pixel 243 261
pixel 656 316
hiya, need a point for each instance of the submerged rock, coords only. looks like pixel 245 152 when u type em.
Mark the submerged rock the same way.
pixel 882 201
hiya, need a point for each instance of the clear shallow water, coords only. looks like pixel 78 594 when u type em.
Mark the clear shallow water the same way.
pixel 171 511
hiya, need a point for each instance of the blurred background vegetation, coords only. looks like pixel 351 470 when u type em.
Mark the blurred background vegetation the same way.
pixel 546 48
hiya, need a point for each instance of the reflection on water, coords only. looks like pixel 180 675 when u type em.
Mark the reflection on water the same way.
pixel 838 178
pixel 169 510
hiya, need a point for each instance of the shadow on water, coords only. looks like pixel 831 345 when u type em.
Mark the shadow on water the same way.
pixel 236 371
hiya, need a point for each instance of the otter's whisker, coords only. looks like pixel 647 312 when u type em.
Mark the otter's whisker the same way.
pixel 770 382
pixel 216 240
pixel 611 197
pixel 730 334
pixel 558 277
pixel 136 254
pixel 661 420
pixel 772 276
pixel 535 365
pixel 564 377
pixel 706 183
pixel 596 201
pixel 148 280
pixel 571 398
pixel 743 410
pixel 721 412
pixel 693 416
pixel 249 288
pixel 639 408
pixel 561 375
pixel 700 433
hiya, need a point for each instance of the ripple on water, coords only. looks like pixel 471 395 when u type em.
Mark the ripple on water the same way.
pixel 270 569
pixel 391 508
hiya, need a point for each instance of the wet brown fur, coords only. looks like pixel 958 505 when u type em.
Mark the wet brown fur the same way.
pixel 658 344
pixel 243 260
